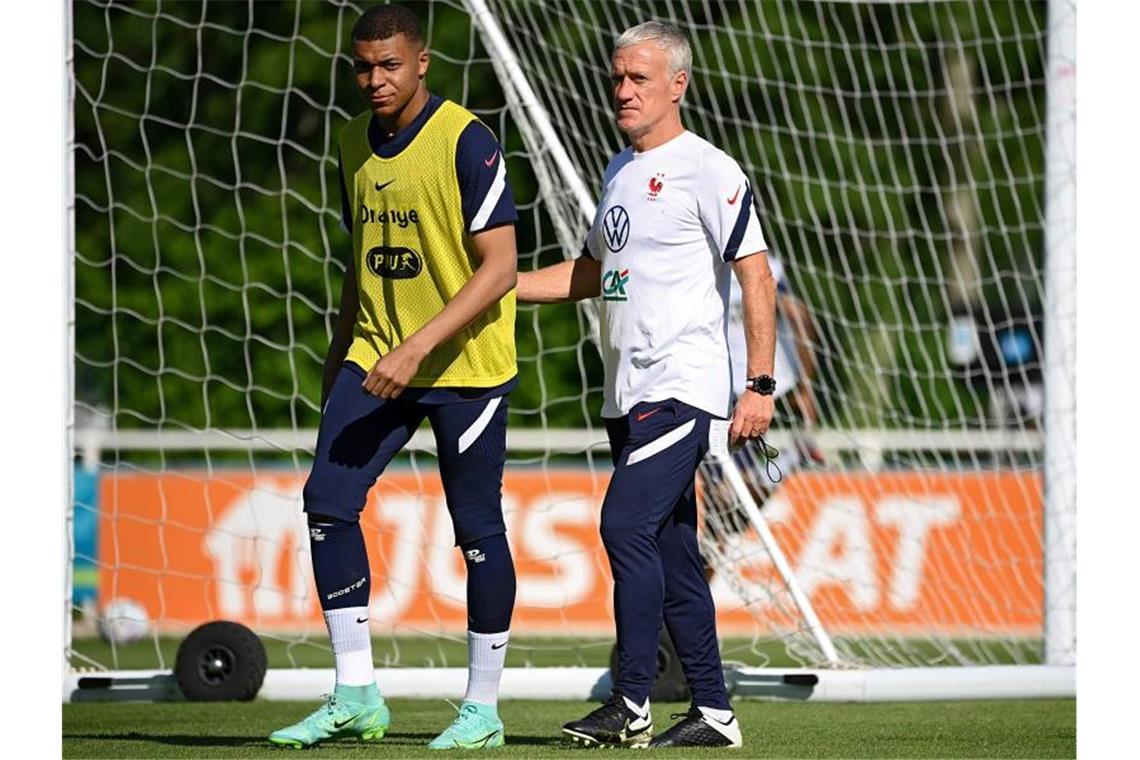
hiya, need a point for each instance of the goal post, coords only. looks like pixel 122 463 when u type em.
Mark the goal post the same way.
pixel 69 341
pixel 1060 416
pixel 913 167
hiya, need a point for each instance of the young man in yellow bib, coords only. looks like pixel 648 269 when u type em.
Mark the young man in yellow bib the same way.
pixel 426 330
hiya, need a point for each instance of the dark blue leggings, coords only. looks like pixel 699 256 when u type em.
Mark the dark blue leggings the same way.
pixel 359 435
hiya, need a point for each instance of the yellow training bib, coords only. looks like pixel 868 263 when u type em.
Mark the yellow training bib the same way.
pixel 413 254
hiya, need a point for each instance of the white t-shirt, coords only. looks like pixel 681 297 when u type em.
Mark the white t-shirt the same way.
pixel 786 370
pixel 669 223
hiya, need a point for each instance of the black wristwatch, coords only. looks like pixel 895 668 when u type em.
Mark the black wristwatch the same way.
pixel 765 385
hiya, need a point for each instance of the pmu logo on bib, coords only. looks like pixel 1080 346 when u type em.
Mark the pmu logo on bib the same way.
pixel 615 228
pixel 394 263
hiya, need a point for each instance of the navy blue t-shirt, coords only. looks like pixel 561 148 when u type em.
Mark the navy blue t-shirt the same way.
pixel 477 158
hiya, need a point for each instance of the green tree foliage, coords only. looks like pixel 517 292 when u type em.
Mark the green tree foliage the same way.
pixel 897 151
pixel 209 253
pixel 207 206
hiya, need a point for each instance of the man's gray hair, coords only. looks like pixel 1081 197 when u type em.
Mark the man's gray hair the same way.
pixel 666 37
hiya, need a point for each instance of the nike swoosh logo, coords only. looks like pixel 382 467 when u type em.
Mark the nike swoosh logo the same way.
pixel 382 186
pixel 491 161
pixel 500 645
pixel 342 723
pixel 643 415
pixel 721 722
pixel 732 200
pixel 478 743
pixel 362 620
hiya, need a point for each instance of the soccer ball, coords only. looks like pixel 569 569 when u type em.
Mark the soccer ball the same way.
pixel 123 621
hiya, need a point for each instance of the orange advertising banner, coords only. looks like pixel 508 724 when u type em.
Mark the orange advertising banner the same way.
pixel 875 552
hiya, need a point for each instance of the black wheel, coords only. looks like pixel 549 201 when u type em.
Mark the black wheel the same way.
pixel 670 685
pixel 220 662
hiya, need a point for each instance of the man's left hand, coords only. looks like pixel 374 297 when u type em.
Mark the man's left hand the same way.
pixel 751 418
pixel 394 370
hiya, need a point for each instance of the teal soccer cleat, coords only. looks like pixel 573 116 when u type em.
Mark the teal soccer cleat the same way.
pixel 337 717
pixel 476 727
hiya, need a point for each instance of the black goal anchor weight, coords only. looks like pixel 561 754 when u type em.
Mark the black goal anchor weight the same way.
pixel 669 684
pixel 219 662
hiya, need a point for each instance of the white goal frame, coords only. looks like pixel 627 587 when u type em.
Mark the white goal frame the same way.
pixel 822 684
pixel 1055 678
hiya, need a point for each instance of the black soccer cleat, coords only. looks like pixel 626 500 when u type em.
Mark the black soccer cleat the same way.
pixel 611 725
pixel 699 730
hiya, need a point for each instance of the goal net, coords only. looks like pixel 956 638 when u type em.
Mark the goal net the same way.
pixel 900 154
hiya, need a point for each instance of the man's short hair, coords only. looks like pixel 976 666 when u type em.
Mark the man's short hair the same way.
pixel 383 21
pixel 666 37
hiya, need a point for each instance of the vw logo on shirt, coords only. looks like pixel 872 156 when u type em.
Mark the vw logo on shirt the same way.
pixel 615 228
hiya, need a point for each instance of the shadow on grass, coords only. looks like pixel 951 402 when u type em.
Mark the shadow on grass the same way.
pixel 395 738
pixel 513 740
pixel 181 740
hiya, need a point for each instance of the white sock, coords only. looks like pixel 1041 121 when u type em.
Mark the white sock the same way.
pixel 485 655
pixel 722 716
pixel 724 723
pixel 351 645
pixel 642 711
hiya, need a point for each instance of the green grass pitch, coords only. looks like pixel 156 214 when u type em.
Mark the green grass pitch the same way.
pixel 1000 729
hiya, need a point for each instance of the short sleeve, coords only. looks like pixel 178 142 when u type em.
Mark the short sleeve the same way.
pixel 727 208
pixel 591 246
pixel 345 204
pixel 482 174
pixel 588 242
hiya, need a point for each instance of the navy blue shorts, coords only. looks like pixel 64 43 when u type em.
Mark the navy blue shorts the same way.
pixel 361 433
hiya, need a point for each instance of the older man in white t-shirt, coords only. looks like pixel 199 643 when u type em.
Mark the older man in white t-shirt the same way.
pixel 675 220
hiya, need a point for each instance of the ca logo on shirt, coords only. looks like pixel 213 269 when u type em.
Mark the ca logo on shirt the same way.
pixel 615 228
pixel 613 285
